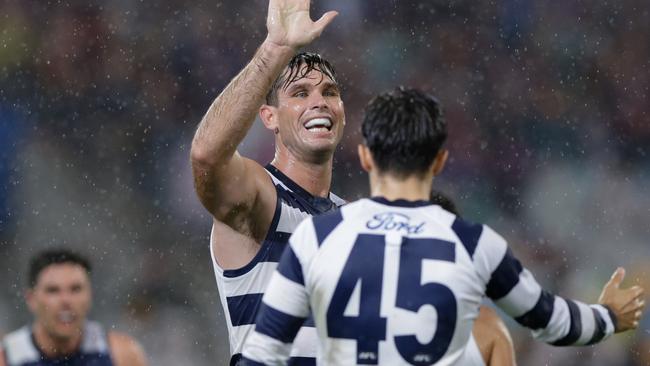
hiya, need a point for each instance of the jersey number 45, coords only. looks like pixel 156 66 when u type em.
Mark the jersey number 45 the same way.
pixel 366 264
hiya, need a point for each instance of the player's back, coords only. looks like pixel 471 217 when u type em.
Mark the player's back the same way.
pixel 392 283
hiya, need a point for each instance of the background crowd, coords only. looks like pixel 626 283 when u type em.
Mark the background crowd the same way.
pixel 547 103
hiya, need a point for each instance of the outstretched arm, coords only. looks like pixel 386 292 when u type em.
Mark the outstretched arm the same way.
pixel 223 179
pixel 553 319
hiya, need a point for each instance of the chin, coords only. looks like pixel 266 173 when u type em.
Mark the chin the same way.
pixel 65 333
pixel 323 149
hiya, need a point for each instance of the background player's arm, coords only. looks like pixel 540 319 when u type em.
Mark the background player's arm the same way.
pixel 2 357
pixel 493 339
pixel 285 304
pixel 553 319
pixel 223 179
pixel 125 351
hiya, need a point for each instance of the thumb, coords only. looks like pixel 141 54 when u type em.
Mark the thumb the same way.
pixel 617 277
pixel 325 20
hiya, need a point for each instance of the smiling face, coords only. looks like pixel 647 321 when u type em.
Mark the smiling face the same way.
pixel 309 117
pixel 60 300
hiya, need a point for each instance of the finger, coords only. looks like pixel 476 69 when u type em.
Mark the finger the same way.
pixel 325 20
pixel 633 306
pixel 635 292
pixel 617 277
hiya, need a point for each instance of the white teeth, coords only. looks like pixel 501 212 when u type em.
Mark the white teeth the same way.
pixel 318 129
pixel 320 123
pixel 66 316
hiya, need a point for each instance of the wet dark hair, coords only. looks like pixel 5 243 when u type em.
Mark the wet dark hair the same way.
pixel 49 257
pixel 298 68
pixel 442 200
pixel 404 130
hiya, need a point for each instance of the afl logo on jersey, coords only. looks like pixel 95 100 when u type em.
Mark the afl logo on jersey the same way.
pixel 393 221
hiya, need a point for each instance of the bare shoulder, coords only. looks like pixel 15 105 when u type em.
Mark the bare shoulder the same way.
pixel 489 321
pixel 493 338
pixel 125 350
pixel 246 200
pixel 488 316
pixel 229 188
pixel 241 230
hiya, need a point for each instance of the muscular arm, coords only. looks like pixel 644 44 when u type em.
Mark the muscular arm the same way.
pixel 227 184
pixel 493 339
pixel 553 319
pixel 222 178
pixel 126 351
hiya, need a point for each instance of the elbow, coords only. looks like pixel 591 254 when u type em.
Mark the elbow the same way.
pixel 203 156
pixel 199 155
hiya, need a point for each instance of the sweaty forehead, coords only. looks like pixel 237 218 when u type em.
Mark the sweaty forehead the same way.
pixel 313 75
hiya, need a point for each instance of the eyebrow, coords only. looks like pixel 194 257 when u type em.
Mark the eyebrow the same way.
pixel 300 84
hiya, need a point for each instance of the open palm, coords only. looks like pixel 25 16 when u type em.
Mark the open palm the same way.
pixel 289 23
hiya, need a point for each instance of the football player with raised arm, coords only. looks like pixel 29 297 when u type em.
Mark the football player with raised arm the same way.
pixel 255 208
pixel 396 280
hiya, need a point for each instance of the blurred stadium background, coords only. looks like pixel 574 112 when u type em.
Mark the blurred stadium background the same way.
pixel 547 102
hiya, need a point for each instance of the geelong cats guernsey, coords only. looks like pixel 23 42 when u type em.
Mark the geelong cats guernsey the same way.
pixel 20 349
pixel 241 290
pixel 400 283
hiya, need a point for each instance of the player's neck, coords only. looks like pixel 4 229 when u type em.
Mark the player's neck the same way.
pixel 315 178
pixel 410 189
pixel 52 347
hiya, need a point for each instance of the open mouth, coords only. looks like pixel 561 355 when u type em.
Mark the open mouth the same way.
pixel 320 124
pixel 65 317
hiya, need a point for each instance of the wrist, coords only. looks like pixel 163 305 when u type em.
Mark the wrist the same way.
pixel 612 316
pixel 275 48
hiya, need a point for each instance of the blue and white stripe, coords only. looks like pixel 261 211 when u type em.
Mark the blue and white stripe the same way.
pixel 20 350
pixel 558 321
pixel 241 290
pixel 482 264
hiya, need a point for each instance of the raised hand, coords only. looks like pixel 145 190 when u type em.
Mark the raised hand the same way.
pixel 627 304
pixel 289 23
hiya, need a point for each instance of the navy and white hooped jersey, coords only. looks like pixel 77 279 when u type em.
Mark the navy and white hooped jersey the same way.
pixel 400 283
pixel 241 290
pixel 20 349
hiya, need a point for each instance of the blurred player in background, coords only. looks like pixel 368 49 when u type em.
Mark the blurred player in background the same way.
pixel 395 280
pixel 59 297
pixel 256 208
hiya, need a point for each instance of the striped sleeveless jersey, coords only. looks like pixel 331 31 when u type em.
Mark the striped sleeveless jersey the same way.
pixel 241 290
pixel 21 350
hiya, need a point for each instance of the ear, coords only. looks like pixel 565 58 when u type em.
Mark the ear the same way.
pixel 30 299
pixel 365 158
pixel 439 161
pixel 268 115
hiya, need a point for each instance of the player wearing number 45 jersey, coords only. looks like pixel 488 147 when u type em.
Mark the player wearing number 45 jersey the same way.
pixel 256 208
pixel 395 280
